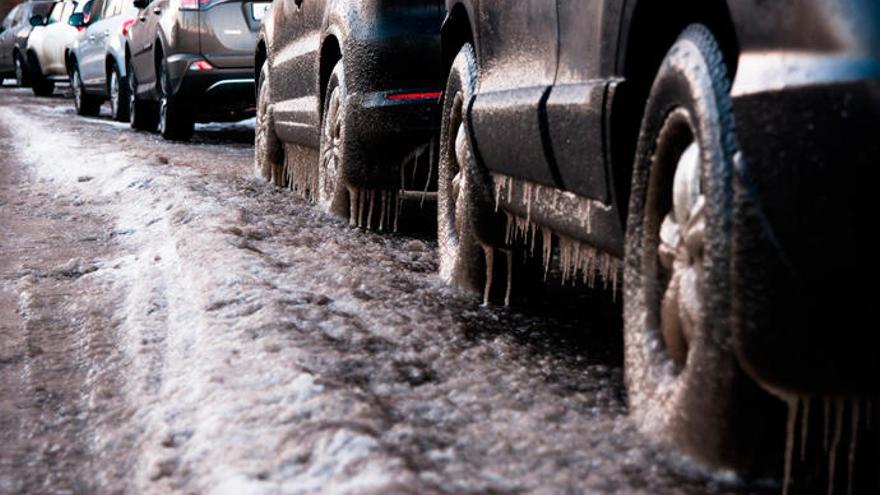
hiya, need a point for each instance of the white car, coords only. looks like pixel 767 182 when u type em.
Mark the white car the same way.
pixel 48 44
pixel 96 62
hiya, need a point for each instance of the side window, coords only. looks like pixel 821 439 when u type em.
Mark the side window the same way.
pixel 56 13
pixel 111 8
pixel 10 18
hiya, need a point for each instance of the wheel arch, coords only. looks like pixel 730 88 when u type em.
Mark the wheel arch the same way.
pixel 648 30
pixel 331 54
pixel 457 30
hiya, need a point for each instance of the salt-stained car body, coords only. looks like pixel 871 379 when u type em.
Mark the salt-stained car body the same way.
pixel 47 46
pixel 100 55
pixel 192 60
pixel 14 33
pixel 712 152
pixel 359 81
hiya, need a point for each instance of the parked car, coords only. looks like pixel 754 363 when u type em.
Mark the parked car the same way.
pixel 356 84
pixel 97 61
pixel 708 150
pixel 14 33
pixel 192 60
pixel 49 40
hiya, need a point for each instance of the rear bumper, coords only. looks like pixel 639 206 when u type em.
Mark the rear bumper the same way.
pixel 384 131
pixel 804 208
pixel 216 94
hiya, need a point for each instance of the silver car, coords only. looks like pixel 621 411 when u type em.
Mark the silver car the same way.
pixel 96 62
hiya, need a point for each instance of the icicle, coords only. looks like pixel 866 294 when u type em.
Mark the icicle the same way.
pixel 372 195
pixel 825 429
pixel 352 206
pixel 383 211
pixel 789 441
pixel 835 443
pixel 489 253
pixel 527 196
pixel 509 254
pixel 398 206
pixel 430 172
pixel 805 427
pixel 853 443
pixel 546 249
pixel 362 196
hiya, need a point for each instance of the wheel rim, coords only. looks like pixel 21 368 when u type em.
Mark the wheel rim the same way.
pixel 330 159
pixel 114 94
pixel 457 142
pixel 675 218
pixel 262 117
pixel 19 72
pixel 77 90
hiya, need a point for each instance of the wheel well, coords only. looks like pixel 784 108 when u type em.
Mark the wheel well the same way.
pixel 158 53
pixel 331 53
pixel 456 32
pixel 69 61
pixel 653 29
pixel 259 60
pixel 109 64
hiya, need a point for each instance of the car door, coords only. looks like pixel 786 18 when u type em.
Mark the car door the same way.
pixel 6 40
pixel 517 56
pixel 576 106
pixel 295 67
pixel 93 66
pixel 55 36
pixel 143 39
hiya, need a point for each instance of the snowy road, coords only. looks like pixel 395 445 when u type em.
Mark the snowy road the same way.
pixel 170 324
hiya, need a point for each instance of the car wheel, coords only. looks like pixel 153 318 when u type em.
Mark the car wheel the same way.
pixel 685 386
pixel 21 75
pixel 175 117
pixel 40 85
pixel 143 114
pixel 118 90
pixel 333 195
pixel 460 251
pixel 268 152
pixel 86 105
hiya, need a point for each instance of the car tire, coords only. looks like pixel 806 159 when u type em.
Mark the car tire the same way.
pixel 21 72
pixel 118 89
pixel 40 85
pixel 685 386
pixel 463 196
pixel 86 105
pixel 143 114
pixel 333 194
pixel 268 151
pixel 175 116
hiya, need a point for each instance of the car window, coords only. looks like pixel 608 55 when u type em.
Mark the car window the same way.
pixel 10 17
pixel 112 8
pixel 56 13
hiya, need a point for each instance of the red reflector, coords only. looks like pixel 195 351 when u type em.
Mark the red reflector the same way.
pixel 126 26
pixel 427 95
pixel 200 65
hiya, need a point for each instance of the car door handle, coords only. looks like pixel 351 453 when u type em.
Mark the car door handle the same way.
pixel 157 11
pixel 142 18
pixel 298 3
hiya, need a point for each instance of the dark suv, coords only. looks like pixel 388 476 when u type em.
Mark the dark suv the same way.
pixel 192 60
pixel 14 32
pixel 349 92
pixel 721 155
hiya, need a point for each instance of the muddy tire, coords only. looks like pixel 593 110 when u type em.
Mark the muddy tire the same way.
pixel 143 114
pixel 22 79
pixel 333 195
pixel 463 195
pixel 118 88
pixel 685 386
pixel 85 104
pixel 175 116
pixel 268 151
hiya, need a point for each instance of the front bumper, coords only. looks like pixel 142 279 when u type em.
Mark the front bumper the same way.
pixel 215 94
pixel 383 132
pixel 804 208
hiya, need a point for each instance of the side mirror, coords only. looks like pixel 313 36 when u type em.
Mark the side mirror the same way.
pixel 141 4
pixel 37 20
pixel 77 20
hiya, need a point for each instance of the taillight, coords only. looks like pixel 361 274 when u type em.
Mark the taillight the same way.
pixel 126 26
pixel 422 95
pixel 200 65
